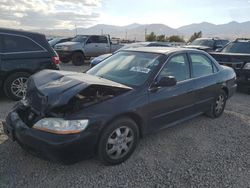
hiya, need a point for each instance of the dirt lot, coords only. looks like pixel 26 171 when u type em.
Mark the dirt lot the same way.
pixel 199 153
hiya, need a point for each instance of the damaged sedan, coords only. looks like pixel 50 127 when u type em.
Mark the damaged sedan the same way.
pixel 67 116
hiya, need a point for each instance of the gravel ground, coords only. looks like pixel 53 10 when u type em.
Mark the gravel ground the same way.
pixel 199 153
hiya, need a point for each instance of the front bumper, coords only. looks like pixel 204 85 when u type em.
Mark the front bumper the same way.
pixel 66 149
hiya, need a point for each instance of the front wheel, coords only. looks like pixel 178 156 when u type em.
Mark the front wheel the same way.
pixel 78 59
pixel 218 106
pixel 118 141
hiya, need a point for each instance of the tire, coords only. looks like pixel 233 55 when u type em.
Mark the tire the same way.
pixel 78 59
pixel 15 85
pixel 218 106
pixel 110 144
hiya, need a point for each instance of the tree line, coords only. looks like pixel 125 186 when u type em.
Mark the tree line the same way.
pixel 174 38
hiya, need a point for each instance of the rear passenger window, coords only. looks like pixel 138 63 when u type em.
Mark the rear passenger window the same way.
pixel 103 39
pixel 178 67
pixel 202 65
pixel 13 44
pixel 98 39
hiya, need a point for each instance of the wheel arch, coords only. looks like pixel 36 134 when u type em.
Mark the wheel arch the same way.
pixel 131 115
pixel 78 51
pixel 225 89
pixel 14 72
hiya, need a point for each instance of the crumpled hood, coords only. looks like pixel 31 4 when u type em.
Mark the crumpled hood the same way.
pixel 49 89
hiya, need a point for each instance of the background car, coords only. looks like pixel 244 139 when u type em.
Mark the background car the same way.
pixel 100 58
pixel 237 55
pixel 56 41
pixel 208 44
pixel 85 46
pixel 68 116
pixel 22 54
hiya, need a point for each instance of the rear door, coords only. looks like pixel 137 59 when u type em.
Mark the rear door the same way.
pixel 204 74
pixel 97 45
pixel 170 104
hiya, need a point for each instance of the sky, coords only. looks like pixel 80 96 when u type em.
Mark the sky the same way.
pixel 66 14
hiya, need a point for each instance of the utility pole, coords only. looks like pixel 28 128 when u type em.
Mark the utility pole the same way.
pixel 76 29
pixel 126 35
pixel 146 34
pixel 101 31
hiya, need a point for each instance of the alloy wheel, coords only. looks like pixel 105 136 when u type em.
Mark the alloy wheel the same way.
pixel 120 142
pixel 19 87
pixel 220 103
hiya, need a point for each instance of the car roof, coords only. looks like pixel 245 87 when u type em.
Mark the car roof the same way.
pixel 20 32
pixel 161 50
pixel 211 38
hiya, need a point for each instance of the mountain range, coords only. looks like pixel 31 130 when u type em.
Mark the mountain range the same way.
pixel 137 31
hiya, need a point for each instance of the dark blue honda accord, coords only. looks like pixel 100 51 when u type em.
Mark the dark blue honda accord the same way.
pixel 67 116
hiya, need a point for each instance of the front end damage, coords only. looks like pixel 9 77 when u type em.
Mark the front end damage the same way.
pixel 58 94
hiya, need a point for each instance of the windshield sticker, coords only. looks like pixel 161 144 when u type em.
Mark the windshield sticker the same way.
pixel 140 69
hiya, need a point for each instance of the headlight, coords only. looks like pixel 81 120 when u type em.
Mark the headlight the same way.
pixel 65 48
pixel 247 66
pixel 61 126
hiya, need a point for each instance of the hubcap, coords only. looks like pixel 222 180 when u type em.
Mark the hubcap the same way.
pixel 19 87
pixel 220 102
pixel 120 142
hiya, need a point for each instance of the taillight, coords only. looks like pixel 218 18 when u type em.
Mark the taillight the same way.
pixel 55 60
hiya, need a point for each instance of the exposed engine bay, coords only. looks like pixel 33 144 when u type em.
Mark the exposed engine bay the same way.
pixel 58 93
pixel 89 96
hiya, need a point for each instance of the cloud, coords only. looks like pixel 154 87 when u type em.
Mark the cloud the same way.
pixel 34 14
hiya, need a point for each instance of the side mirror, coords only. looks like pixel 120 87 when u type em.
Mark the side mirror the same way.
pixel 166 82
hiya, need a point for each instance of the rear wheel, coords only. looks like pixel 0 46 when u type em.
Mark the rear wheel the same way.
pixel 78 59
pixel 118 141
pixel 218 106
pixel 15 86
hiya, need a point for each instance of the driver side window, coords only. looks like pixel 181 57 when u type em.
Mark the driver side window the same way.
pixel 178 67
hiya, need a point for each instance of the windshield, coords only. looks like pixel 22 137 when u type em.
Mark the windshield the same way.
pixel 54 41
pixel 80 38
pixel 128 68
pixel 203 42
pixel 237 47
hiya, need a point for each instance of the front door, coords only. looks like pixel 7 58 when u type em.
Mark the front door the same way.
pixel 170 104
pixel 96 45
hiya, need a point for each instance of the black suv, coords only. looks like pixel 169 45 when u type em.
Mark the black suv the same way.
pixel 22 54
pixel 208 44
pixel 237 55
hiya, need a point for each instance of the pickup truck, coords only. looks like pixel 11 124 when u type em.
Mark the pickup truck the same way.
pixel 237 55
pixel 83 47
pixel 208 44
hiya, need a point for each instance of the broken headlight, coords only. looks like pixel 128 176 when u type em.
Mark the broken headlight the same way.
pixel 61 126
